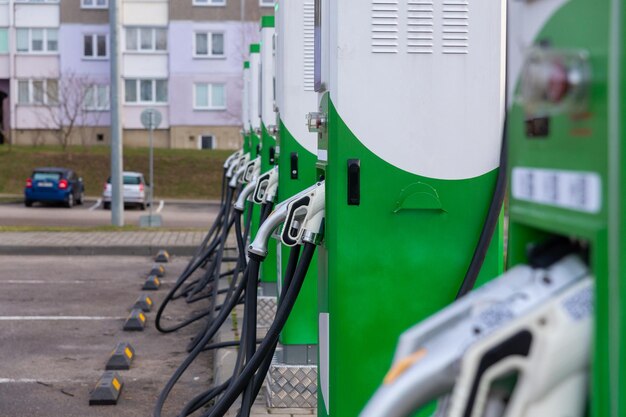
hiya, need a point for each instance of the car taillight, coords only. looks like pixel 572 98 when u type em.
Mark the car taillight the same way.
pixel 29 183
pixel 140 187
pixel 62 184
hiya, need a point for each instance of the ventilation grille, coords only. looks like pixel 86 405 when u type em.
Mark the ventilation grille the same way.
pixel 455 36
pixel 385 26
pixel 309 45
pixel 420 16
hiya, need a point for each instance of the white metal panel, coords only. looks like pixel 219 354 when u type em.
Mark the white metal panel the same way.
pixel 33 66
pixel 308 43
pixel 267 77
pixel 145 13
pixel 138 65
pixel 4 15
pixel 295 82
pixel 279 55
pixel 5 67
pixel 255 90
pixel 37 15
pixel 437 114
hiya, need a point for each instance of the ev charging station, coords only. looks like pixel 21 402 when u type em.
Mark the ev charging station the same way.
pixel 567 161
pixel 298 146
pixel 255 119
pixel 268 141
pixel 292 378
pixel 245 107
pixel 411 106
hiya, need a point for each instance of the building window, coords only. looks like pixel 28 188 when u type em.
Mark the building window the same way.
pixel 95 46
pixel 146 39
pixel 266 3
pixel 145 91
pixel 97 98
pixel 209 44
pixel 206 142
pixel 4 41
pixel 209 96
pixel 94 4
pixel 37 41
pixel 38 92
pixel 209 2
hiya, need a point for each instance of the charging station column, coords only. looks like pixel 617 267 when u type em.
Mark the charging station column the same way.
pixel 567 160
pixel 255 120
pixel 296 96
pixel 245 107
pixel 268 141
pixel 410 127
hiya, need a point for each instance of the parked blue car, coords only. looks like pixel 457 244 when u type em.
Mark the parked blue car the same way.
pixel 54 185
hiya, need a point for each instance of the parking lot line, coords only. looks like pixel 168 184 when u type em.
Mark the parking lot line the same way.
pixel 27 381
pixel 95 206
pixel 58 318
pixel 161 205
pixel 41 281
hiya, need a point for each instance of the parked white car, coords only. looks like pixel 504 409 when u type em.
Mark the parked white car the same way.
pixel 135 191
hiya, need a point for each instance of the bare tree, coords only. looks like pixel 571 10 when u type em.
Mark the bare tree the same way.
pixel 65 105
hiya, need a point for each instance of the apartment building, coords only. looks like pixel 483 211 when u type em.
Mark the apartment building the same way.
pixel 182 57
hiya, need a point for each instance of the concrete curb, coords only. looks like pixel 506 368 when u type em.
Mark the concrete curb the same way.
pixel 96 250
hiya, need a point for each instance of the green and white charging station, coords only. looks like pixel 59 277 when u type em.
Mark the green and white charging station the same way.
pixel 245 107
pixel 255 120
pixel 268 141
pixel 567 160
pixel 295 97
pixel 411 98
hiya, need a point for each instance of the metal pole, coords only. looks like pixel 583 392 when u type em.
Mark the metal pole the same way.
pixel 151 166
pixel 117 164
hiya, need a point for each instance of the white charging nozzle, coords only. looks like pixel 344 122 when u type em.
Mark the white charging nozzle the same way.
pixel 305 215
pixel 252 170
pixel 428 358
pixel 234 181
pixel 258 246
pixel 548 349
pixel 235 166
pixel 272 188
pixel 265 181
pixel 240 204
pixel 232 158
pixel 245 167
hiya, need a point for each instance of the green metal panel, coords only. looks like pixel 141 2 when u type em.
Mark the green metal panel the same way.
pixel 301 327
pixel 590 142
pixel 268 268
pixel 267 21
pixel 395 259
pixel 255 48
pixel 246 142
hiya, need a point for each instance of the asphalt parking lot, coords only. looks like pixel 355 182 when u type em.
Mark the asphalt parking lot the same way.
pixel 60 318
pixel 175 214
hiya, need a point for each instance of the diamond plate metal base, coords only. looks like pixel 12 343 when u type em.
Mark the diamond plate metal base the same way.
pixel 291 386
pixel 266 311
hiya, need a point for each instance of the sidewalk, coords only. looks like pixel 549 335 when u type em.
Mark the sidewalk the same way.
pixel 135 243
pixel 215 202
